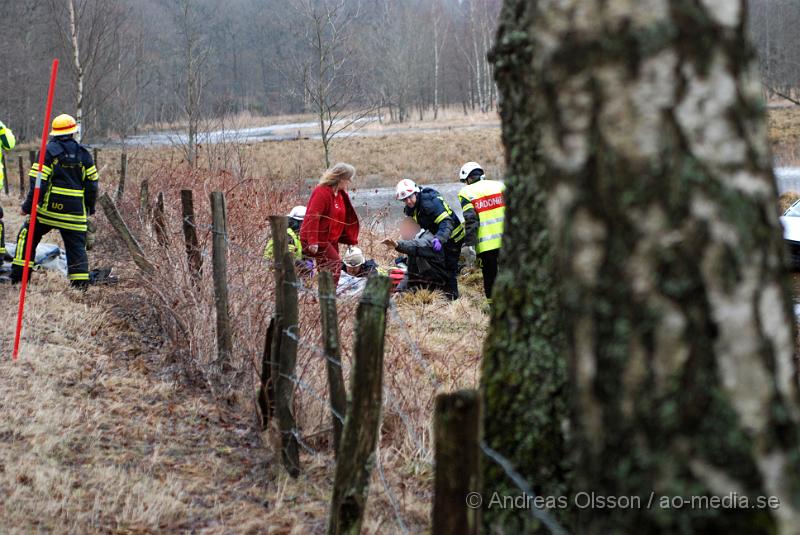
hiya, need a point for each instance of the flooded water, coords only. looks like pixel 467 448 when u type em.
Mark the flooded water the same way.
pixel 787 178
pixel 380 203
pixel 275 132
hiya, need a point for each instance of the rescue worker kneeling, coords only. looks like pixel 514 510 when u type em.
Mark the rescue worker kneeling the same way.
pixel 428 208
pixel 295 220
pixel 67 197
pixel 427 267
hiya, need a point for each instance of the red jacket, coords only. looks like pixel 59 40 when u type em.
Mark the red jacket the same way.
pixel 316 227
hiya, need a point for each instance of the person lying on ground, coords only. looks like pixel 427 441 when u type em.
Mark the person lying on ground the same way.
pixel 355 264
pixel 426 265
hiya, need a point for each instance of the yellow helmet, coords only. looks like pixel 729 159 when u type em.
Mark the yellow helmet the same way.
pixel 64 125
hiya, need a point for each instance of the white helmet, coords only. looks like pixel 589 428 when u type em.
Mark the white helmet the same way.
pixel 298 212
pixel 353 257
pixel 406 188
pixel 468 168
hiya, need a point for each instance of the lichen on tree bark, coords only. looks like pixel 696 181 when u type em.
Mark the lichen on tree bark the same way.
pixel 651 147
pixel 524 369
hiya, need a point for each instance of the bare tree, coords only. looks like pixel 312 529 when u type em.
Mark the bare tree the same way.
pixel 76 63
pixel 89 29
pixel 354 54
pixel 328 66
pixel 190 18
pixel 440 32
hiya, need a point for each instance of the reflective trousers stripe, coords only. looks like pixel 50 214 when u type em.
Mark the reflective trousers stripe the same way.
pixel 19 254
pixel 79 276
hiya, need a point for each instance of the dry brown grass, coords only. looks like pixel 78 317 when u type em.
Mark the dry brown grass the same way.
pixel 784 134
pixel 787 199
pixel 92 441
pixel 155 441
pixel 104 433
pixel 381 160
pixel 124 426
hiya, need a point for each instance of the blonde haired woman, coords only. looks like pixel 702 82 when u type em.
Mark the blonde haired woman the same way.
pixel 330 219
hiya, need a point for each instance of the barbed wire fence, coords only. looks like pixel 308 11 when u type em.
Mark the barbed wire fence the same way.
pixel 189 307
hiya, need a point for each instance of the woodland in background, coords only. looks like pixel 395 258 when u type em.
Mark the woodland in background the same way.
pixel 158 62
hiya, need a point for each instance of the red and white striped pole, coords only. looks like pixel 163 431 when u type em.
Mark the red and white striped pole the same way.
pixel 34 207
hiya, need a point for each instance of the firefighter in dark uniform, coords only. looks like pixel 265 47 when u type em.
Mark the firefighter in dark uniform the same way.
pixel 429 209
pixel 67 197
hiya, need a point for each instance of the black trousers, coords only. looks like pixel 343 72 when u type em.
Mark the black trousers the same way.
pixel 452 253
pixel 488 260
pixel 74 243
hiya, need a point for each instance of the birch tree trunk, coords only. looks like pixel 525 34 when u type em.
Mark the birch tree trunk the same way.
pixel 436 19
pixel 679 331
pixel 524 375
pixel 477 57
pixel 76 61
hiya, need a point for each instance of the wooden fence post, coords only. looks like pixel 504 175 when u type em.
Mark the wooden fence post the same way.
pixel 283 354
pixel 357 450
pixel 124 232
pixel 266 394
pixel 95 153
pixel 280 246
pixel 220 264
pixel 22 176
pixel 456 431
pixel 190 233
pixel 285 380
pixel 159 222
pixel 32 156
pixel 123 170
pixel 144 201
pixel 333 358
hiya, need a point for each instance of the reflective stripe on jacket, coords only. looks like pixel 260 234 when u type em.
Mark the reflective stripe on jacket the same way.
pixel 69 186
pixel 485 198
pixel 434 215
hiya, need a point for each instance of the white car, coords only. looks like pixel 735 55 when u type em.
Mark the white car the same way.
pixel 791 233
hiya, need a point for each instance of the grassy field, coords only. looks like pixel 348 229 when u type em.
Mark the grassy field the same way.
pixel 119 427
pixel 390 152
pixel 113 424
pixel 784 133
pixel 104 434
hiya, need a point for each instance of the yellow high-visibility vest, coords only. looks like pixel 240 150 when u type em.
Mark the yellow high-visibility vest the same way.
pixel 295 247
pixel 486 198
pixel 7 142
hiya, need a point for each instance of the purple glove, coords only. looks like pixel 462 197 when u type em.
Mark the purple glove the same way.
pixel 437 245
